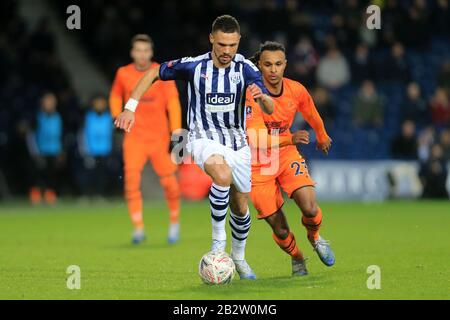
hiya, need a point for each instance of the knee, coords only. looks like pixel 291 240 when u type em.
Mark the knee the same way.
pixel 170 186
pixel 309 209
pixel 132 182
pixel 132 175
pixel 281 232
pixel 132 193
pixel 240 209
pixel 222 176
pixel 169 182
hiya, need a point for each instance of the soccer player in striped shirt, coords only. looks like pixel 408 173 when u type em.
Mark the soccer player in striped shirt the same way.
pixel 217 82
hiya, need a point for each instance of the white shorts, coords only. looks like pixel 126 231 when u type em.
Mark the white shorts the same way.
pixel 239 161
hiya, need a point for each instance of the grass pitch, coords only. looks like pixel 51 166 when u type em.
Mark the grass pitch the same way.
pixel 409 241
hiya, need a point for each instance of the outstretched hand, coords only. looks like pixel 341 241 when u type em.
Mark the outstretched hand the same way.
pixel 255 91
pixel 125 120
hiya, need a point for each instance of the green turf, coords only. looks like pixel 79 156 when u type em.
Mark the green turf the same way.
pixel 409 241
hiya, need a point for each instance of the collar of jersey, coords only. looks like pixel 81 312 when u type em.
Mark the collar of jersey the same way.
pixel 277 95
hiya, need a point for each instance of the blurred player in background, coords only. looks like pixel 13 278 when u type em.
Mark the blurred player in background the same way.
pixel 158 117
pixel 217 141
pixel 46 148
pixel 292 174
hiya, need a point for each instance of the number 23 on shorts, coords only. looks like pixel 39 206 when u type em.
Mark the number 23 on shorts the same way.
pixel 299 167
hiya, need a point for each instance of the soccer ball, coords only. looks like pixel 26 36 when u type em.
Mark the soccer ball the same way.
pixel 216 267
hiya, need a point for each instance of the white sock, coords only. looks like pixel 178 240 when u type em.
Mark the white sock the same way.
pixel 240 227
pixel 218 200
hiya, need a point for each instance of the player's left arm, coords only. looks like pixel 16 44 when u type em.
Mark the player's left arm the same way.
pixel 313 118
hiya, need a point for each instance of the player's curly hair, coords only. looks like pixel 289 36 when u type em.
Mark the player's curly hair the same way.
pixel 226 23
pixel 267 46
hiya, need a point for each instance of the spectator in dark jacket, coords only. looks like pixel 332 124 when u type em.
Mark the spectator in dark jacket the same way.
pixel 361 64
pixel 433 174
pixel 418 26
pixel 414 107
pixel 305 59
pixel 396 67
pixel 404 145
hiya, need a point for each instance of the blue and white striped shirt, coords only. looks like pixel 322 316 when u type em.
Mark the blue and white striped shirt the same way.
pixel 216 96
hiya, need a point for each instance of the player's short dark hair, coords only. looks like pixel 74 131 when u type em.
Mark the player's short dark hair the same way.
pixel 226 23
pixel 267 46
pixel 142 38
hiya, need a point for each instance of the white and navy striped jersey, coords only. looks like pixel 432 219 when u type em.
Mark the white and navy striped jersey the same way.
pixel 216 96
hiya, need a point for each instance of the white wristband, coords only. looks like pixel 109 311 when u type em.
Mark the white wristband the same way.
pixel 131 104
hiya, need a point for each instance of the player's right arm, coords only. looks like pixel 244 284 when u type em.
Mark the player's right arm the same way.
pixel 125 120
pixel 143 85
pixel 172 70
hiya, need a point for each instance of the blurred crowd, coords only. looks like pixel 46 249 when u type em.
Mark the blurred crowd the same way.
pixel 382 93
pixel 50 142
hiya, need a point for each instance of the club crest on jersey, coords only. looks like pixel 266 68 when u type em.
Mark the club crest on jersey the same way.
pixel 171 63
pixel 220 101
pixel 248 112
pixel 235 78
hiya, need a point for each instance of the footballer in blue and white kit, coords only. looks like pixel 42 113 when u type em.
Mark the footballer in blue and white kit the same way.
pixel 216 111
pixel 217 83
